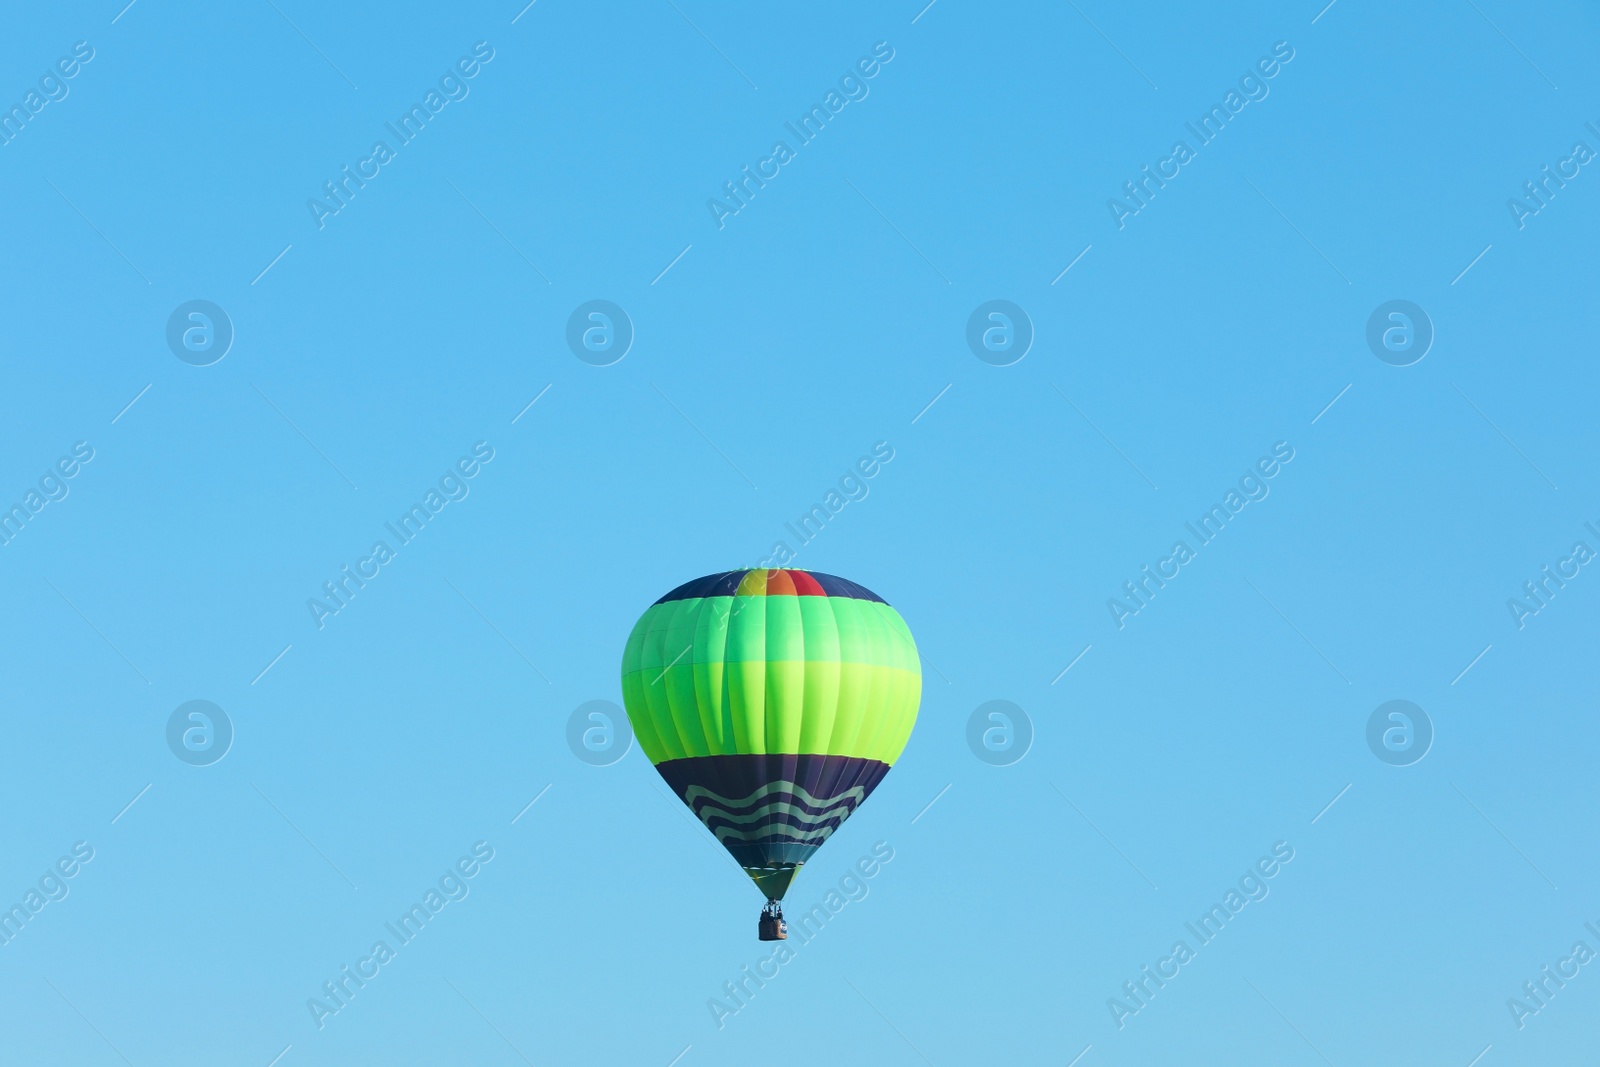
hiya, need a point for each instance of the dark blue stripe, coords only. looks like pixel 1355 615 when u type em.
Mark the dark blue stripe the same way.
pixel 722 584
pixel 834 586
pixel 727 582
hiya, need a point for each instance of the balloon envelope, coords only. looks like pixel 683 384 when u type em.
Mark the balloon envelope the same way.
pixel 773 702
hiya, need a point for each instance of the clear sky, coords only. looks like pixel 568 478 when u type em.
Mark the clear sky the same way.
pixel 1199 221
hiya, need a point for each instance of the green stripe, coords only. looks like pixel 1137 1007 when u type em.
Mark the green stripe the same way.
pixel 782 674
pixel 758 628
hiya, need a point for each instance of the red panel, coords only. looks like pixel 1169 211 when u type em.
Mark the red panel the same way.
pixel 804 584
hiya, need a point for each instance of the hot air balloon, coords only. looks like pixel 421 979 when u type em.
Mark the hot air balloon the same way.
pixel 772 702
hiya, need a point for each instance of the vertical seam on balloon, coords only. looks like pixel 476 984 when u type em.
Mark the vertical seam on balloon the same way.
pixel 771 710
pixel 858 741
pixel 668 690
pixel 831 745
pixel 699 667
pixel 847 740
pixel 912 699
pixel 655 693
pixel 753 716
pixel 881 681
pixel 694 665
pixel 629 666
pixel 871 676
pixel 731 734
pixel 704 626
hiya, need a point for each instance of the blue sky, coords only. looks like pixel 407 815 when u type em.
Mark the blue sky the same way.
pixel 575 153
